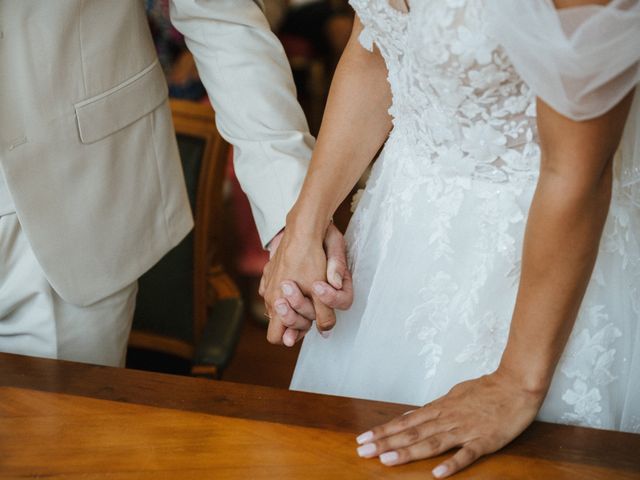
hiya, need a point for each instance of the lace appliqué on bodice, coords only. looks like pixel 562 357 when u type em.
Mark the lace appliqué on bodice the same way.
pixel 458 104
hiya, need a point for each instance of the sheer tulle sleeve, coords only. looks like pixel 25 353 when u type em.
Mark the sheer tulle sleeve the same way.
pixel 581 61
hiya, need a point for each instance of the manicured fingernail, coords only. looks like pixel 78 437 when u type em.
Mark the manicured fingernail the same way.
pixel 319 288
pixel 365 437
pixel 439 471
pixel 326 333
pixel 281 308
pixel 288 340
pixel 389 458
pixel 286 289
pixel 367 450
pixel 337 280
pixel 408 412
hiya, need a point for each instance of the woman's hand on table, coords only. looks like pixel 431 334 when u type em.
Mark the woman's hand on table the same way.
pixel 304 281
pixel 479 417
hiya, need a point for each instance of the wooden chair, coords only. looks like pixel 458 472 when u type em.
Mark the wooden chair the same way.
pixel 187 305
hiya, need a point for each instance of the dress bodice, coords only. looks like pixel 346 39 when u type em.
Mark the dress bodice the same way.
pixel 458 103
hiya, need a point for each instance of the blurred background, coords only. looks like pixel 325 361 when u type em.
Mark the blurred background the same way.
pixel 198 310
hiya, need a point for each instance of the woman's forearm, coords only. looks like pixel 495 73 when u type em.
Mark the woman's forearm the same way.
pixel 355 124
pixel 560 248
pixel 566 220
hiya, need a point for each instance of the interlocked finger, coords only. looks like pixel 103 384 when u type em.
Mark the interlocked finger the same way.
pixel 291 336
pixel 301 304
pixel 289 317
pixel 325 316
pixel 332 298
pixel 276 328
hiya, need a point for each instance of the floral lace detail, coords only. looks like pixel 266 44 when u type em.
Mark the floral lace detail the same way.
pixel 378 16
pixel 588 361
pixel 441 296
pixel 457 101
pixel 489 338
pixel 585 402
pixel 621 238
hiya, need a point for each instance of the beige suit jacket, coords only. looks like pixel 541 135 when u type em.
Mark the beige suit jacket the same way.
pixel 87 146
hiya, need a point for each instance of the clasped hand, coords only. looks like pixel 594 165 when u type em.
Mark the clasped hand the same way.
pixel 304 281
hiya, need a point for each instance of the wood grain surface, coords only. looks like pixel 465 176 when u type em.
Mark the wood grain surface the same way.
pixel 66 420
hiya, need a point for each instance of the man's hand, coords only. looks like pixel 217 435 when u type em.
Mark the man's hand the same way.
pixel 295 290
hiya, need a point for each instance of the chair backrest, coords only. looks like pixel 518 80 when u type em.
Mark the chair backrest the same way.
pixel 171 307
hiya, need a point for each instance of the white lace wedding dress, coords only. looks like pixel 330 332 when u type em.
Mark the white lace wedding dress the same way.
pixel 436 240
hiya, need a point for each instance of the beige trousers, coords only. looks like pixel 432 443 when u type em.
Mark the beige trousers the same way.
pixel 35 321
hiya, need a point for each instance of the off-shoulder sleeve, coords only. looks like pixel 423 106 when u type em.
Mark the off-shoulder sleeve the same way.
pixel 581 60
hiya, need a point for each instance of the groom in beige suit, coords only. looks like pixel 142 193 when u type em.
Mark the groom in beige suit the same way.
pixel 91 188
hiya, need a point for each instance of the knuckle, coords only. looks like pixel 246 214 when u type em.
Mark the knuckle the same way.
pixel 346 303
pixel 434 443
pixel 302 323
pixel 309 312
pixel 338 262
pixel 453 465
pixel 327 323
pixel 329 296
pixel 412 434
pixel 403 422
pixel 296 302
pixel 406 455
pixel 289 320
pixel 470 453
pixel 324 327
pixel 382 445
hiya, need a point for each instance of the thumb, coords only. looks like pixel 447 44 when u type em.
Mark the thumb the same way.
pixel 336 256
pixel 325 316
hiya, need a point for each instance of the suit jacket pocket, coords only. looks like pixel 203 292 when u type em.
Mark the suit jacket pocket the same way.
pixel 106 113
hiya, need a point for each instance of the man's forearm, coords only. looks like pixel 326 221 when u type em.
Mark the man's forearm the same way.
pixel 248 79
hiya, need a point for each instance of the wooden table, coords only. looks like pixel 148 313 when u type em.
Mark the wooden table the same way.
pixel 66 420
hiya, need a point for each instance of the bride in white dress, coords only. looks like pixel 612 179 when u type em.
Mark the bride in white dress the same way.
pixel 501 115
